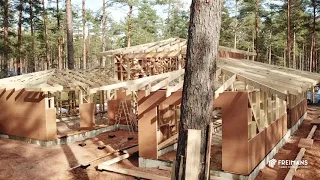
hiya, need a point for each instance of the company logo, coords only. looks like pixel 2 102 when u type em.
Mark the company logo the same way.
pixel 288 163
pixel 272 163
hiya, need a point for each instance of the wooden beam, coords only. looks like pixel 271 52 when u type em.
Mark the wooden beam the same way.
pixel 193 154
pixel 168 141
pixel 135 173
pixel 225 86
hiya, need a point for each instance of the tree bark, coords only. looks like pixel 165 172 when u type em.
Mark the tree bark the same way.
pixel 313 40
pixel 104 30
pixel 32 62
pixel 288 35
pixel 294 64
pixel 270 48
pixel 46 35
pixel 70 35
pixel 6 38
pixel 129 26
pixel 19 70
pixel 59 37
pixel 257 29
pixel 236 25
pixel 198 87
pixel 84 49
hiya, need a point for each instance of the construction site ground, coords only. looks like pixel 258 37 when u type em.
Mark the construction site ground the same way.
pixel 290 151
pixel 20 160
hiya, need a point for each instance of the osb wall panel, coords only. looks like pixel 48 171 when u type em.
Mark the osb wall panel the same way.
pixel 51 125
pixel 23 114
pixel 274 134
pixel 257 149
pixel 113 110
pixel 87 119
pixel 121 95
pixel 297 112
pixel 235 148
pixel 147 135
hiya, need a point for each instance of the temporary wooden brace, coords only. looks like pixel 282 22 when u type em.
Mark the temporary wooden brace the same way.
pixel 208 152
pixel 135 173
pixel 299 156
pixel 193 154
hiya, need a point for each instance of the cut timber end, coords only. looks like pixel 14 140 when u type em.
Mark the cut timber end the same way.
pixel 305 143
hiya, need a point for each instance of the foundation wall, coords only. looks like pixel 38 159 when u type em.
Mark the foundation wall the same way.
pixel 24 114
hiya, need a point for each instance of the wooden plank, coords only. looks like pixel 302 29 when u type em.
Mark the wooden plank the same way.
pixel 165 168
pixel 193 154
pixel 135 173
pixel 173 170
pixel 294 167
pixel 224 86
pixel 168 141
pixel 314 128
pixel 208 152
pixel 113 161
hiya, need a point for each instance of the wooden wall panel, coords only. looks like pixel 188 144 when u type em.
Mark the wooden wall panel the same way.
pixel 51 124
pixel 152 101
pixel 257 150
pixel 112 110
pixel 147 135
pixel 23 114
pixel 273 134
pixel 87 119
pixel 235 132
pixel 297 112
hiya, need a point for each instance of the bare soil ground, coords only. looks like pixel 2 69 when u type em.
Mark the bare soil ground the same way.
pixel 290 151
pixel 23 161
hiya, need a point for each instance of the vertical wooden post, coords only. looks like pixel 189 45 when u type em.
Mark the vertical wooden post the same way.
pixel 115 68
pixel 128 69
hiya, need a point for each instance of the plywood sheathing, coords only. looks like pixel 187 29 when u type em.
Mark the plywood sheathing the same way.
pixel 87 118
pixel 147 135
pixel 24 114
pixel 240 155
pixel 113 106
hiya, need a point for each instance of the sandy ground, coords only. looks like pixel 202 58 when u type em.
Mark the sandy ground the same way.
pixel 23 161
pixel 290 151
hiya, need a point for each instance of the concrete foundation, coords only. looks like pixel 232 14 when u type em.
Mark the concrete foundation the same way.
pixel 214 174
pixel 67 139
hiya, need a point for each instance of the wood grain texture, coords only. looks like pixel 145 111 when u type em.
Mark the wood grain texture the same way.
pixel 147 135
pixel 23 114
pixel 193 154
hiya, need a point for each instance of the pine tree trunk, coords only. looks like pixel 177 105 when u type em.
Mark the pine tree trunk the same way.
pixel 19 70
pixel 303 57
pixel 284 58
pixel 32 61
pixel 288 35
pixel 235 30
pixel 84 49
pixel 129 26
pixel 6 38
pixel 59 38
pixel 313 44
pixel 46 36
pixel 104 30
pixel 257 29
pixel 270 48
pixel 70 35
pixel 294 50
pixel 198 87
